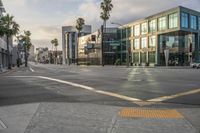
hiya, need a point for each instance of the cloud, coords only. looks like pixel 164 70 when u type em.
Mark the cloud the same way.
pixel 45 17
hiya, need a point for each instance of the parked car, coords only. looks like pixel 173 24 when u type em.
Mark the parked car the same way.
pixel 198 66
pixel 195 64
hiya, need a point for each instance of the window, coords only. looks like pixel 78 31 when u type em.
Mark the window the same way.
pixel 184 20
pixel 137 30
pixel 137 44
pixel 144 28
pixel 152 41
pixel 152 26
pixel 162 23
pixel 193 21
pixel 199 23
pixel 173 20
pixel 144 42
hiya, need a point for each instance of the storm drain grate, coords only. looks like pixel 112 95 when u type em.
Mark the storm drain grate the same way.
pixel 2 125
pixel 150 113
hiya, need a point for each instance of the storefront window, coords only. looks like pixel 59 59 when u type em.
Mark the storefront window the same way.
pixel 152 41
pixel 144 42
pixel 162 23
pixel 193 21
pixel 199 23
pixel 137 30
pixel 135 57
pixel 184 20
pixel 173 20
pixel 143 57
pixel 137 44
pixel 152 56
pixel 152 25
pixel 144 28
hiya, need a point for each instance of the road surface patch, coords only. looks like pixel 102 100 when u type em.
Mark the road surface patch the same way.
pixel 150 113
pixel 111 94
pixel 164 98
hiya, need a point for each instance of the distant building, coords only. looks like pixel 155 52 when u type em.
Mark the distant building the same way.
pixel 32 53
pixel 90 48
pixel 42 55
pixel 69 42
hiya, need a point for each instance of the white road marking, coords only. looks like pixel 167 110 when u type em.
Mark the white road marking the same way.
pixel 164 98
pixel 2 124
pixel 130 99
pixel 32 70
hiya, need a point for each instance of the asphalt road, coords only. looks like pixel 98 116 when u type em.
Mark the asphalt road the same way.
pixel 60 99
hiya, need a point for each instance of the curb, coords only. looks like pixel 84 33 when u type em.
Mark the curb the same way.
pixel 8 71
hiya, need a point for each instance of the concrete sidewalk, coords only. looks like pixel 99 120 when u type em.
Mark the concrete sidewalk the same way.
pixel 90 118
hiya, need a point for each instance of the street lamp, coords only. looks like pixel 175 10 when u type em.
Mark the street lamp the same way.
pixel 127 52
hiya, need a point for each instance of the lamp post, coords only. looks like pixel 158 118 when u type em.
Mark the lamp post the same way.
pixel 127 49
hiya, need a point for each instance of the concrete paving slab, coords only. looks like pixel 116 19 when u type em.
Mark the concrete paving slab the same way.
pixel 16 118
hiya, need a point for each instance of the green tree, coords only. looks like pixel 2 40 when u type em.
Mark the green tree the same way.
pixel 80 22
pixel 8 28
pixel 55 43
pixel 26 38
pixel 106 7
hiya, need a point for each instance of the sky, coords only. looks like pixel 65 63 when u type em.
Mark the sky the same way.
pixel 44 18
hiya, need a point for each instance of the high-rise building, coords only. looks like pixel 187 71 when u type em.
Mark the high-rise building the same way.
pixel 70 44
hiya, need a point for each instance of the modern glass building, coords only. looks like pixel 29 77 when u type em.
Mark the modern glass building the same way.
pixel 174 33
pixel 70 44
pixel 169 38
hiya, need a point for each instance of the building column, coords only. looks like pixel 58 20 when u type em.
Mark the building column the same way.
pixel 63 48
pixel 70 46
pixel 139 57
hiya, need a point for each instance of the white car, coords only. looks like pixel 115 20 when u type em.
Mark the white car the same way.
pixel 195 65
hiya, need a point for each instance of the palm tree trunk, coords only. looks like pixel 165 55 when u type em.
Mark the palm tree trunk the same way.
pixel 26 60
pixel 102 47
pixel 8 53
pixel 56 56
pixel 77 48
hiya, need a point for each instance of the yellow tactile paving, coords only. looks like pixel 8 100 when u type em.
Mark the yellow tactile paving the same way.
pixel 150 113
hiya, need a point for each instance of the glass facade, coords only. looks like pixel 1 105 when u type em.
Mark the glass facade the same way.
pixel 181 46
pixel 184 20
pixel 152 57
pixel 173 20
pixel 199 23
pixel 137 43
pixel 193 22
pixel 137 30
pixel 162 23
pixel 136 57
pixel 144 28
pixel 152 41
pixel 143 57
pixel 152 25
pixel 144 42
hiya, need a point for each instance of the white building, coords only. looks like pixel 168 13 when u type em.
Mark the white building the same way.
pixel 70 44
pixel 31 53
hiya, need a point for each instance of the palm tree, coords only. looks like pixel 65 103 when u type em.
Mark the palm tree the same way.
pixel 80 22
pixel 55 43
pixel 8 28
pixel 106 7
pixel 27 44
